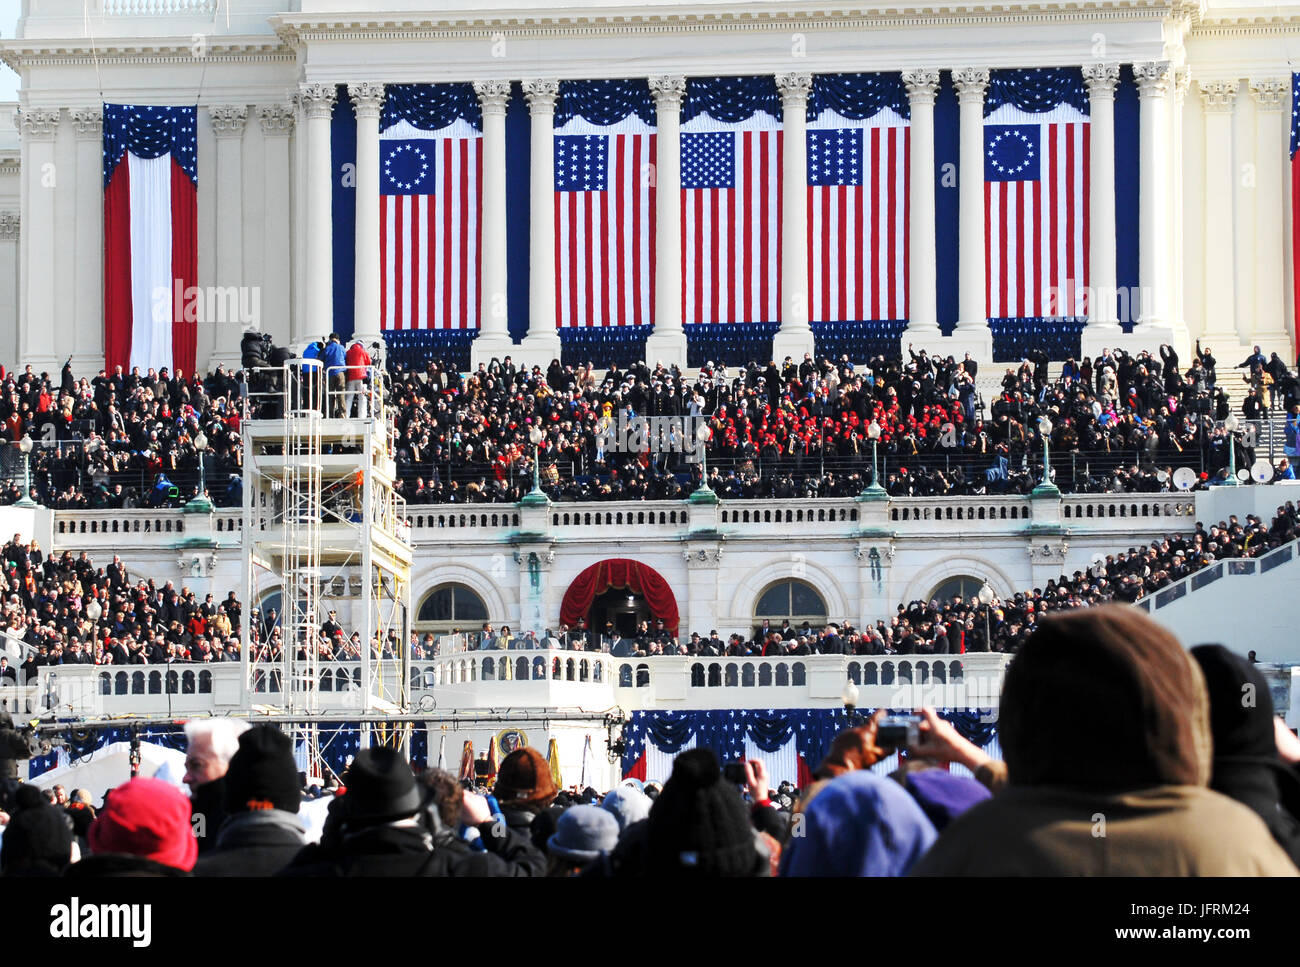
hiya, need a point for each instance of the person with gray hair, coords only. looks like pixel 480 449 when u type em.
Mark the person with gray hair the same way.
pixel 212 743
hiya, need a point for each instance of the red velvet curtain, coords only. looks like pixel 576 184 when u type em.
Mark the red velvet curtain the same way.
pixel 619 572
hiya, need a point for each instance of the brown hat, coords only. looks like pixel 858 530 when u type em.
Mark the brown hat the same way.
pixel 524 779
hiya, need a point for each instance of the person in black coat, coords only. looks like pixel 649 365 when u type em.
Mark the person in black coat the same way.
pixel 1246 764
pixel 382 828
pixel 261 832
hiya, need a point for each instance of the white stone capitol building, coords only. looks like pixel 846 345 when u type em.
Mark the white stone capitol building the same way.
pixel 1181 206
pixel 967 177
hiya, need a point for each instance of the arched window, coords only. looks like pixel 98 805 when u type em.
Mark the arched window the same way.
pixel 963 586
pixel 450 606
pixel 798 601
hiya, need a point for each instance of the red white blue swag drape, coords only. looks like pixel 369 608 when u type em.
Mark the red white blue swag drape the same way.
pixel 150 236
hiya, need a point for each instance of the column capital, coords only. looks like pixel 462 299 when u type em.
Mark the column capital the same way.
pixel 1270 93
pixel 39 124
pixel 492 95
pixel 1101 79
pixel 367 98
pixel 277 120
pixel 10 226
pixel 541 93
pixel 1152 78
pixel 317 100
pixel 228 120
pixel 89 122
pixel 921 84
pixel 971 82
pixel 669 90
pixel 1218 96
pixel 1182 83
pixel 794 89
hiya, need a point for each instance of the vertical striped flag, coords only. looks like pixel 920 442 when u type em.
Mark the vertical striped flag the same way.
pixel 1036 212
pixel 604 223
pixel 731 220
pixel 857 217
pixel 150 236
pixel 1295 204
pixel 430 230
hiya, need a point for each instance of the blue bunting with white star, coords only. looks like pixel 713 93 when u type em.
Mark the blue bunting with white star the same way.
pixel 150 132
pixel 1037 90
pixel 725 730
pixel 430 107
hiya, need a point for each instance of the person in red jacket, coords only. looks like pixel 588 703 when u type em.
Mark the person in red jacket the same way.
pixel 357 360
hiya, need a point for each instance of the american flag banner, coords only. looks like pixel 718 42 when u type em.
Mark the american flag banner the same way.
pixel 1036 212
pixel 430 229
pixel 731 206
pixel 150 236
pixel 857 217
pixel 604 222
pixel 1295 203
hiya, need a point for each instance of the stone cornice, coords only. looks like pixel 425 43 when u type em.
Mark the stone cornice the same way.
pixel 303 29
pixel 1246 25
pixel 20 54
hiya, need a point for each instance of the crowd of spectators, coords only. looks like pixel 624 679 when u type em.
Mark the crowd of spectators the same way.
pixel 1119 423
pixel 71 612
pixel 1190 781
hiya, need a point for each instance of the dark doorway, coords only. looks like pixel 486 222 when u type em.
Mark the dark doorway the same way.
pixel 621 607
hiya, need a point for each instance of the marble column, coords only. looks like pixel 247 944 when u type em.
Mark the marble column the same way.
pixel 1272 97
pixel 277 123
pixel 10 232
pixel 542 343
pixel 1217 99
pixel 1153 150
pixel 1177 270
pixel 38 128
pixel 493 335
pixel 668 341
pixel 220 336
pixel 795 337
pixel 972 333
pixel 1102 296
pixel 367 100
pixel 922 291
pixel 318 105
pixel 298 205
pixel 88 318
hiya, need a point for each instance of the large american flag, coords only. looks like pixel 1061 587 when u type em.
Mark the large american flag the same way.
pixel 1036 213
pixel 429 226
pixel 857 218
pixel 731 219
pixel 604 224
pixel 1295 201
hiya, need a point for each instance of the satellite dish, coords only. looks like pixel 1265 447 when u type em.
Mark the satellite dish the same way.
pixel 1243 474
pixel 1184 478
pixel 1162 476
pixel 1261 471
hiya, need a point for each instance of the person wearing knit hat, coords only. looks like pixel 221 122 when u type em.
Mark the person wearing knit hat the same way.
pixel 699 826
pixel 524 789
pixel 142 830
pixel 261 833
pixel 583 835
pixel 860 824
pixel 37 842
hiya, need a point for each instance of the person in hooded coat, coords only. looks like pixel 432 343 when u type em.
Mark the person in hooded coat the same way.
pixel 37 842
pixel 261 832
pixel 1246 764
pixel 1105 727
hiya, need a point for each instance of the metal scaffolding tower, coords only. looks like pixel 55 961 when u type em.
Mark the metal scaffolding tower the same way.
pixel 324 527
